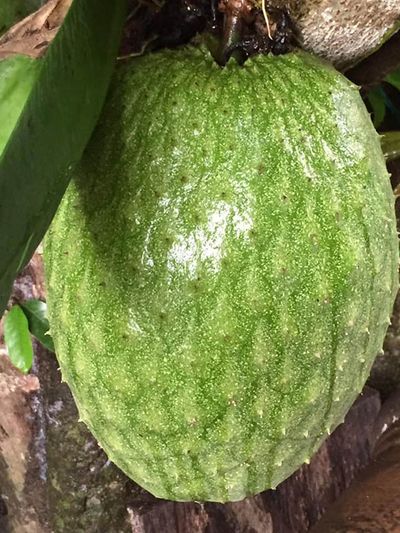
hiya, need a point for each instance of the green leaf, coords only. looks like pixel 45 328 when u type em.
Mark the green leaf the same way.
pixel 394 79
pixel 18 339
pixel 11 11
pixel 376 98
pixel 390 142
pixel 17 77
pixel 36 313
pixel 53 129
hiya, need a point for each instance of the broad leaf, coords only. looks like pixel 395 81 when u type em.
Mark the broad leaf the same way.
pixel 394 79
pixel 17 77
pixel 18 339
pixel 376 99
pixel 390 142
pixel 36 313
pixel 53 129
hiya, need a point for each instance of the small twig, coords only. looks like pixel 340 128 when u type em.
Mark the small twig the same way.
pixel 140 52
pixel 266 18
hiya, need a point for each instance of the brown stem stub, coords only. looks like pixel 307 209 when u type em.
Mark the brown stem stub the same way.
pixel 237 8
pixel 249 30
pixel 237 14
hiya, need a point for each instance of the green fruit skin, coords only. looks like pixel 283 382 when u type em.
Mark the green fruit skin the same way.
pixel 222 270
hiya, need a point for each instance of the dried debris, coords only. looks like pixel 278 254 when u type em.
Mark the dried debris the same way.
pixel 32 35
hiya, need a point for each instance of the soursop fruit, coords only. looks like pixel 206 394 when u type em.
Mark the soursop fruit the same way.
pixel 221 271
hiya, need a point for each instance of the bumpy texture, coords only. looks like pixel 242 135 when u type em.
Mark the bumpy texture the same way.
pixel 222 270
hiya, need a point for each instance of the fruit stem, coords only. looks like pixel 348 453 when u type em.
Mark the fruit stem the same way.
pixel 236 14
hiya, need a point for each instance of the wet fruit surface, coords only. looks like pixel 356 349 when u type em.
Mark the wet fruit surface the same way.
pixel 222 269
